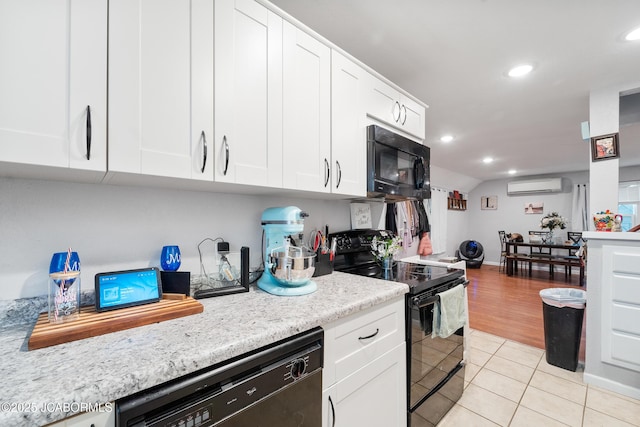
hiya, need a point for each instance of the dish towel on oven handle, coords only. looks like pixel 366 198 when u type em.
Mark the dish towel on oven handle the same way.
pixel 449 312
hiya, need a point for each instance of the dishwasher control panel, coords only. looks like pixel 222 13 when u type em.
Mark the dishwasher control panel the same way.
pixel 298 368
pixel 254 383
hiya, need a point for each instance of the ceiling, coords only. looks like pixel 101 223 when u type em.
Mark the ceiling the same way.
pixel 454 56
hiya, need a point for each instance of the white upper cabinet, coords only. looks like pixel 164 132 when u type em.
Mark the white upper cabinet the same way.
pixel 394 108
pixel 306 106
pixel 248 94
pixel 53 83
pixel 348 130
pixel 161 87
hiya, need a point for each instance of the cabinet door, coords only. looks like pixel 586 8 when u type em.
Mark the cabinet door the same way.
pixel 348 132
pixel 306 106
pixel 383 102
pixel 150 71
pixel 389 106
pixel 373 396
pixel 620 327
pixel 248 93
pixel 104 418
pixel 412 117
pixel 54 56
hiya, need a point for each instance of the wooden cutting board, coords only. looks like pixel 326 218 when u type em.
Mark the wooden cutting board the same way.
pixel 91 323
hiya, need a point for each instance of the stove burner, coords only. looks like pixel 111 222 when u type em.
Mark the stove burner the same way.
pixel 354 256
pixel 419 277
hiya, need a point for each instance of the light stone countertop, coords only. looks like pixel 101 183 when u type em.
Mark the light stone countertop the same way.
pixel 108 367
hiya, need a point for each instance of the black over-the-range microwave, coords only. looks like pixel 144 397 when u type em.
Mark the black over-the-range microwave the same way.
pixel 397 167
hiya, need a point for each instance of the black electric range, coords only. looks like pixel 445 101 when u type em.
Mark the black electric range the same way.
pixel 353 255
pixel 435 367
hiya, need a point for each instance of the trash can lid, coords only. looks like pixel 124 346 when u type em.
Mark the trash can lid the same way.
pixel 564 297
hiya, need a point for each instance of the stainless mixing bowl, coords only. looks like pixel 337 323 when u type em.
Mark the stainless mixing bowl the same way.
pixel 292 267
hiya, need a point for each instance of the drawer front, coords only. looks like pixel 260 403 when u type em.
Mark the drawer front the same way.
pixel 357 340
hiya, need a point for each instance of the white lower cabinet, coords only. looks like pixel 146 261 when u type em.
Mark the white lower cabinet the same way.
pixel 364 376
pixel 621 307
pixel 89 419
pixel 373 396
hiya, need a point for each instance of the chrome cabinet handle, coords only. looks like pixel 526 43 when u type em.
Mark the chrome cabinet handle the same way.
pixel 396 107
pixel 88 132
pixel 333 413
pixel 327 172
pixel 404 108
pixel 204 151
pixel 339 173
pixel 370 336
pixel 226 154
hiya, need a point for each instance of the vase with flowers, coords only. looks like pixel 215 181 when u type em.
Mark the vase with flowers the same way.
pixel 383 249
pixel 553 221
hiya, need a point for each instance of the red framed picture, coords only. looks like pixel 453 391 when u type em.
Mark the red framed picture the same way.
pixel 604 147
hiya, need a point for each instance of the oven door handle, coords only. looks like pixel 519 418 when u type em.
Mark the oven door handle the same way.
pixel 421 302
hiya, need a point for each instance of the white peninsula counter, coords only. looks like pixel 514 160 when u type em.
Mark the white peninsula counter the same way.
pixel 613 312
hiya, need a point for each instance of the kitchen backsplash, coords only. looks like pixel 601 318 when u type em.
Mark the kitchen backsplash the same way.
pixel 118 227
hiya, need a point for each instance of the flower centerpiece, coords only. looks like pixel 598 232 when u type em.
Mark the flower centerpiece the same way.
pixel 385 248
pixel 552 221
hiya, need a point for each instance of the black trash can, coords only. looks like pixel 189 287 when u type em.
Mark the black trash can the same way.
pixel 563 311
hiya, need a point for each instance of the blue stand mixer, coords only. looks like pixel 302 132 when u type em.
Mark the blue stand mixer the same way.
pixel 287 268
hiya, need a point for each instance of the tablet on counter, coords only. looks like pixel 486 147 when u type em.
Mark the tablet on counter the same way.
pixel 120 289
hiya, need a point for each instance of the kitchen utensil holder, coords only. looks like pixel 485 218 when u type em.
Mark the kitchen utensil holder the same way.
pixel 324 264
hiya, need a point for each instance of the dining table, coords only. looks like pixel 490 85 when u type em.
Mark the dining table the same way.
pixel 562 254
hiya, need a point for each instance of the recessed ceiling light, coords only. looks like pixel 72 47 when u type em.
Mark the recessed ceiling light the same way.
pixel 512 171
pixel 633 35
pixel 487 160
pixel 520 70
pixel 446 138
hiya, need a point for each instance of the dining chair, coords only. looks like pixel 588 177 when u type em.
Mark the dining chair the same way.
pixel 503 250
pixel 540 251
pixel 575 237
pixel 521 257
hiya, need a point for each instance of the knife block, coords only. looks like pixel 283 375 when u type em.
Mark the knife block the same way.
pixel 324 264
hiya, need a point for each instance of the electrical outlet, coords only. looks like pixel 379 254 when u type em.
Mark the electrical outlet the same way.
pixel 223 248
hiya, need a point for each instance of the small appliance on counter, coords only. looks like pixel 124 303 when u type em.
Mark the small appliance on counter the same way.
pixel 287 268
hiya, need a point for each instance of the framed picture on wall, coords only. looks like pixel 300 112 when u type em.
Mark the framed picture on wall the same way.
pixel 360 216
pixel 489 202
pixel 533 207
pixel 604 147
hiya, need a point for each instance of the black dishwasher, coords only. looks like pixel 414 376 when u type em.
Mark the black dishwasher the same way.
pixel 276 385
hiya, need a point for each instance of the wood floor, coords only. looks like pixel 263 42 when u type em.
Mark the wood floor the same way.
pixel 510 306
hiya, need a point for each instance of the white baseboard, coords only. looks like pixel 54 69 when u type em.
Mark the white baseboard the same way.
pixel 611 385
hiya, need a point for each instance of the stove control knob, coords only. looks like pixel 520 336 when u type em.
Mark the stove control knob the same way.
pixel 298 368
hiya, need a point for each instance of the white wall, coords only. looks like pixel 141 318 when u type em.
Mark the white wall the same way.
pixel 604 118
pixel 117 227
pixel 456 220
pixel 483 225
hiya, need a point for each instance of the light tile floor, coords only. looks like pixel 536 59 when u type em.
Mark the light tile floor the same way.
pixel 511 384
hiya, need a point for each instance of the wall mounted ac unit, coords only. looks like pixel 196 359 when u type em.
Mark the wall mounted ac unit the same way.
pixel 543 185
